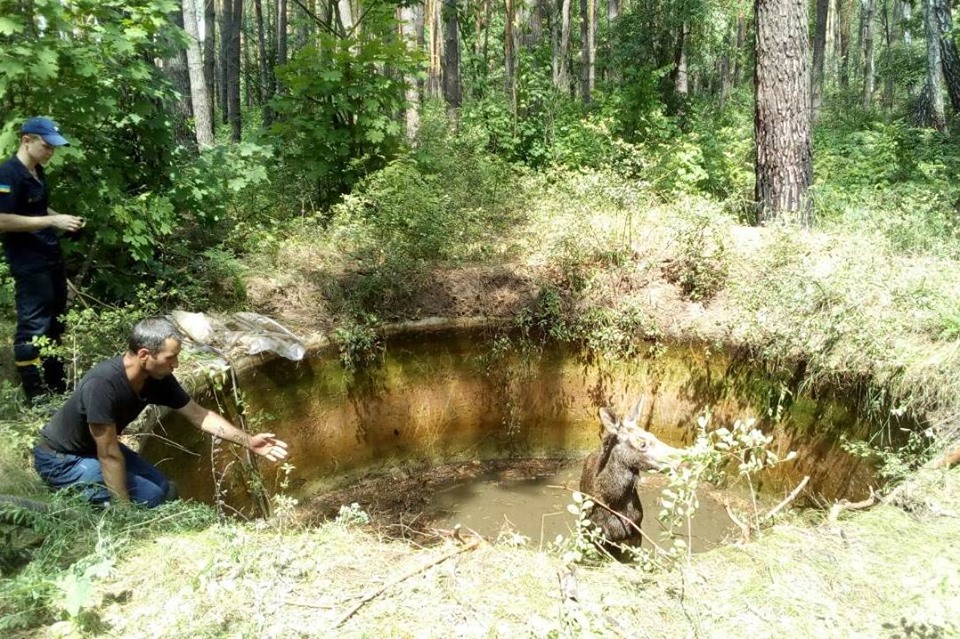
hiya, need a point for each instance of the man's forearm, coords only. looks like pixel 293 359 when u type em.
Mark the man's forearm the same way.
pixel 114 469
pixel 217 426
pixel 13 223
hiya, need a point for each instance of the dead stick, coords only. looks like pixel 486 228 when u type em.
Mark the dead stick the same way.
pixel 744 528
pixel 783 504
pixel 376 593
pixel 843 505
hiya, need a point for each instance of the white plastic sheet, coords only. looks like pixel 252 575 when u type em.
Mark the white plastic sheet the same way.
pixel 250 333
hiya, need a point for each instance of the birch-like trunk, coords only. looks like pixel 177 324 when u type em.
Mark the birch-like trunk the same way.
pixel 198 86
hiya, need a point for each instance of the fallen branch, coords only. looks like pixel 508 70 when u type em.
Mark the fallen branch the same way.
pixel 783 504
pixel 416 571
pixel 843 505
pixel 744 528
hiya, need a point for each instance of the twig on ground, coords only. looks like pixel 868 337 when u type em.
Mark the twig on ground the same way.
pixel 783 504
pixel 843 505
pixel 379 591
pixel 744 528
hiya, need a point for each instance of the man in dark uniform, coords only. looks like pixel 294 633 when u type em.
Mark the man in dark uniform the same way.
pixel 80 445
pixel 28 228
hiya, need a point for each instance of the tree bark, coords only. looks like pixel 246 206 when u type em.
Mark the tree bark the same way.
pixel 345 17
pixel 452 91
pixel 510 55
pixel 587 49
pixel 210 56
pixel 949 56
pixel 681 84
pixel 819 53
pixel 867 8
pixel 198 85
pixel 930 109
pixel 281 32
pixel 226 22
pixel 784 164
pixel 845 20
pixel 233 67
pixel 561 52
pixel 263 58
pixel 741 45
pixel 175 68
pixel 433 27
pixel 408 30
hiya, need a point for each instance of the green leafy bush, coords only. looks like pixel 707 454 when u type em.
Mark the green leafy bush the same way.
pixel 336 115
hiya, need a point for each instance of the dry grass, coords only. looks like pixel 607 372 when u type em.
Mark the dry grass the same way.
pixel 848 580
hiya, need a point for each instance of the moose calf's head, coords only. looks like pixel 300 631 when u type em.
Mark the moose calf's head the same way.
pixel 638 448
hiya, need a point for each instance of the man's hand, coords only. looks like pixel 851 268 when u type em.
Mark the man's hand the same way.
pixel 266 445
pixel 66 222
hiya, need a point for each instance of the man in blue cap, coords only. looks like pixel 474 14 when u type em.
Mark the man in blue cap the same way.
pixel 28 228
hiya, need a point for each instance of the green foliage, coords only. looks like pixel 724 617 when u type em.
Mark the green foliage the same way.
pixel 95 333
pixel 79 546
pixel 352 515
pixel 336 113
pixel 702 263
pixel 360 342
pixel 890 178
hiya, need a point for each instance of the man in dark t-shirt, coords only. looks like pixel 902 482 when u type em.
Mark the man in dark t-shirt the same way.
pixel 80 445
pixel 28 230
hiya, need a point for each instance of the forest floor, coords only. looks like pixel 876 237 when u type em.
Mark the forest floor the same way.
pixel 845 305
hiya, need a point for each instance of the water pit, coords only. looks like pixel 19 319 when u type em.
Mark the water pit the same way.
pixel 447 430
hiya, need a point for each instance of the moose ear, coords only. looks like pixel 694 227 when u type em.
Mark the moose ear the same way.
pixel 634 413
pixel 609 421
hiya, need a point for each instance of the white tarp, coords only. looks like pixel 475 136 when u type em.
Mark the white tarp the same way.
pixel 249 332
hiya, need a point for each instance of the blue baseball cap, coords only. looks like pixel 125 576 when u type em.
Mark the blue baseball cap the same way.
pixel 45 128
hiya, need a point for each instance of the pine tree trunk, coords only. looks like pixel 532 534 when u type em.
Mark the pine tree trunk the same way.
pixel 175 68
pixel 819 52
pixel 281 32
pixel 890 23
pixel 434 33
pixel 587 49
pixel 561 52
pixel 845 19
pixel 198 84
pixel 408 30
pixel 510 56
pixel 452 91
pixel 226 21
pixel 949 56
pixel 930 109
pixel 741 45
pixel 868 63
pixel 263 58
pixel 210 56
pixel 233 68
pixel 681 84
pixel 784 164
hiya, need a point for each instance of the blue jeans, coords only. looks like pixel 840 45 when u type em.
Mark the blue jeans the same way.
pixel 145 484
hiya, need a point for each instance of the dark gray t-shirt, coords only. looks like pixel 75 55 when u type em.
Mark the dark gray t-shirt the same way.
pixel 104 396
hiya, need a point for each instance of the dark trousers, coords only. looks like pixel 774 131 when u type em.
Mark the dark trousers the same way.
pixel 41 299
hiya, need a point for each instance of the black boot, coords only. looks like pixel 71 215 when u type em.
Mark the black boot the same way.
pixel 54 375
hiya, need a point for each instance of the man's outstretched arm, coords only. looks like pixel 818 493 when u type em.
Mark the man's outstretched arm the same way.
pixel 264 444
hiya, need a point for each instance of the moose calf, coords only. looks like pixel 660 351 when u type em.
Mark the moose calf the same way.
pixel 610 474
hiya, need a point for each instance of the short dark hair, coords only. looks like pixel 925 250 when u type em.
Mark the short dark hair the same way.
pixel 152 334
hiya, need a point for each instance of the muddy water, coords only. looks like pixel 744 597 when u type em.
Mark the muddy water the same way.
pixel 446 398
